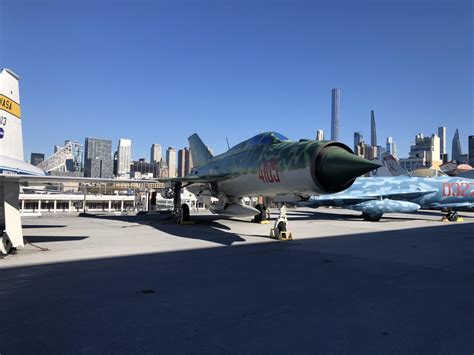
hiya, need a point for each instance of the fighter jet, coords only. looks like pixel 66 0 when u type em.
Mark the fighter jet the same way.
pixel 374 196
pixel 268 165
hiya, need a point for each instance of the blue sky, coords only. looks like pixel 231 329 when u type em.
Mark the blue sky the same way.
pixel 158 71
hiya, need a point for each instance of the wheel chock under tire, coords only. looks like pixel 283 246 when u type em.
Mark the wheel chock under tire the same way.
pixel 283 235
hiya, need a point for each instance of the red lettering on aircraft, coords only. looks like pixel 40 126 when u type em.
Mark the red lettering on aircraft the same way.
pixel 268 171
pixel 456 189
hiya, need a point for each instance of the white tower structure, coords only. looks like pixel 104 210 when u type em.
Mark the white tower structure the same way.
pixel 319 135
pixel 171 161
pixel 124 157
pixel 155 153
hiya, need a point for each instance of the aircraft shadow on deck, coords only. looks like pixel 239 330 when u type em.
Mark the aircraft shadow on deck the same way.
pixel 206 227
pixel 53 238
pixel 359 293
pixel 28 226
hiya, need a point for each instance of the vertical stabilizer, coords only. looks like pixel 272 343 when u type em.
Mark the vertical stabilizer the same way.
pixel 199 152
pixel 11 137
pixel 391 167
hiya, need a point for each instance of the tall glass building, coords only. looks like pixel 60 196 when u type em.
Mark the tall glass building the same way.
pixel 456 150
pixel 98 158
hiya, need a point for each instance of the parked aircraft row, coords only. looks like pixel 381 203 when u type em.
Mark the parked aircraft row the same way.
pixel 268 164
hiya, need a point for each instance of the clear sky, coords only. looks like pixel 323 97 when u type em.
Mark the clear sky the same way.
pixel 158 71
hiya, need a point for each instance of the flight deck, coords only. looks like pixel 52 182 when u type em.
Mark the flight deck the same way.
pixel 139 284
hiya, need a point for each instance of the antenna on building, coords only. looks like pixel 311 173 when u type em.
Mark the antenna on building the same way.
pixel 228 146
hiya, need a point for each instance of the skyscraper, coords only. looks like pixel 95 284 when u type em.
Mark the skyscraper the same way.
pixel 456 149
pixel 442 139
pixel 424 153
pixel 358 139
pixel 98 158
pixel 185 162
pixel 373 130
pixel 171 161
pixel 335 93
pixel 319 135
pixel 155 154
pixel 124 159
pixel 391 147
pixel 188 161
pixel 181 161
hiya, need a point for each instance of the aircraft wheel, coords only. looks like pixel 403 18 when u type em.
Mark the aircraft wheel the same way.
pixel 6 246
pixel 453 216
pixel 185 213
pixel 373 217
pixel 262 215
pixel 282 227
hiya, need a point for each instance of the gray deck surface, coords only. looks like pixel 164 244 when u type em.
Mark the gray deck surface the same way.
pixel 344 286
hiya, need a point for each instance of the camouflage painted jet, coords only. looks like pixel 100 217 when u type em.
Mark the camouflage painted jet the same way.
pixel 374 196
pixel 266 165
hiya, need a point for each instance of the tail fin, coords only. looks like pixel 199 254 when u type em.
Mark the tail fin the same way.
pixel 11 137
pixel 199 152
pixel 391 167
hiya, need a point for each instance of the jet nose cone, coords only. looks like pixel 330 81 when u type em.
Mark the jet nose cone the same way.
pixel 336 168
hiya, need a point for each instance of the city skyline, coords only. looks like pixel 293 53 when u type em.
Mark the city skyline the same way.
pixel 237 70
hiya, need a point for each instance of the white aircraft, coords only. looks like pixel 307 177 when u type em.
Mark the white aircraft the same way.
pixel 13 170
pixel 11 138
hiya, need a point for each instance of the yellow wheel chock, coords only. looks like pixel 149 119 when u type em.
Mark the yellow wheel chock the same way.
pixel 283 235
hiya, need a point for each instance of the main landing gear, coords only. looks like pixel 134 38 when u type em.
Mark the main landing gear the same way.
pixel 181 210
pixel 452 216
pixel 372 217
pixel 263 216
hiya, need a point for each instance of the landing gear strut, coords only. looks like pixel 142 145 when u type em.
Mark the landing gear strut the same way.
pixel 180 210
pixel 452 216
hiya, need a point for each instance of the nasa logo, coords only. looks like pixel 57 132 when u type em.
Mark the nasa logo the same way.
pixel 2 132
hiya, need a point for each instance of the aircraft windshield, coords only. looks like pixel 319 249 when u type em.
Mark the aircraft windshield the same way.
pixel 266 138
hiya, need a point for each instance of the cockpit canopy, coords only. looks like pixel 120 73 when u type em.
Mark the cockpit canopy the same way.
pixel 265 138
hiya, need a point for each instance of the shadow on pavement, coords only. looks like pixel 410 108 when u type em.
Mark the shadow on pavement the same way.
pixel 404 291
pixel 52 238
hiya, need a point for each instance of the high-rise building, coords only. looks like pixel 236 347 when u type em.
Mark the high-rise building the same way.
pixel 335 94
pixel 456 149
pixel 36 158
pixel 319 135
pixel 124 158
pixel 171 162
pixel 181 160
pixel 442 140
pixel 470 149
pixel 423 153
pixel 98 158
pixel 358 139
pixel 141 169
pixel 188 161
pixel 373 130
pixel 391 147
pixel 76 164
pixel 155 153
